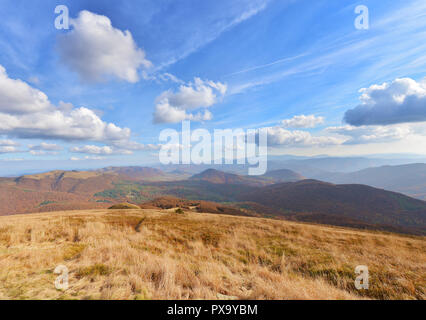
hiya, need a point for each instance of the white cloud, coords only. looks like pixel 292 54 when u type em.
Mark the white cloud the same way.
pixel 87 158
pixel 78 124
pixel 171 107
pixel 8 149
pixel 106 150
pixel 134 146
pixel 278 136
pixel 8 143
pixel 211 26
pixel 194 95
pixel 372 134
pixel 117 147
pixel 302 121
pixel 45 147
pixel 42 153
pixel 28 114
pixel 96 50
pixel 166 113
pixel 124 147
pixel 169 77
pixel 17 97
pixel 400 101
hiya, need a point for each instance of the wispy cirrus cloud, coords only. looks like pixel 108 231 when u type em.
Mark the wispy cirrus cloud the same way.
pixel 214 25
pixel 395 42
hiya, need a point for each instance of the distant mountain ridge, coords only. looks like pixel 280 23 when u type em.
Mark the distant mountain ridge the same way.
pixel 67 190
pixel 357 202
pixel 271 177
pixel 134 173
pixel 409 179
pixel 353 205
pixel 216 176
pixel 284 175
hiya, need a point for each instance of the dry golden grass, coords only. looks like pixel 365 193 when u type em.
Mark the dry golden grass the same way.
pixel 153 254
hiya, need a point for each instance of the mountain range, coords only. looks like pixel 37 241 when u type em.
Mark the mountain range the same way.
pixel 409 179
pixel 280 193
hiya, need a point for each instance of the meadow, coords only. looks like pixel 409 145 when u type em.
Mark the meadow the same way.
pixel 161 254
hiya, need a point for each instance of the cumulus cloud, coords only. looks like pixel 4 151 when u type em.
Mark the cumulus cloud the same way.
pixel 8 146
pixel 372 134
pixel 87 158
pixel 116 147
pixel 167 113
pixel 278 136
pixel 96 50
pixel 78 124
pixel 93 150
pixel 17 97
pixel 134 146
pixel 172 107
pixel 302 121
pixel 8 149
pixel 8 143
pixel 28 114
pixel 42 153
pixel 45 147
pixel 400 101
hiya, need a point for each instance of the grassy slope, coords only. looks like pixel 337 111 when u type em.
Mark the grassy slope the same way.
pixel 153 254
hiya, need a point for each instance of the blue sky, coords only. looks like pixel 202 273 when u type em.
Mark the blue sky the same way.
pixel 133 68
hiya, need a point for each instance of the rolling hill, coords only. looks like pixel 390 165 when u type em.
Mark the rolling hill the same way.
pixel 220 177
pixel 71 190
pixel 135 173
pixel 359 203
pixel 304 200
pixel 271 177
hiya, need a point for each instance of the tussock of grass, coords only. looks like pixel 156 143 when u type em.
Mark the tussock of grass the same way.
pixel 92 271
pixel 73 251
pixel 154 254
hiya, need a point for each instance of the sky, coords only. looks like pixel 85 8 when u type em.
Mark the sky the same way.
pixel 100 92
